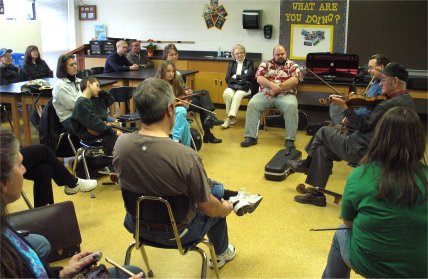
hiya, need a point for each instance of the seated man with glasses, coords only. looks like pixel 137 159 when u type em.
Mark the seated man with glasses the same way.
pixel 329 144
pixel 377 63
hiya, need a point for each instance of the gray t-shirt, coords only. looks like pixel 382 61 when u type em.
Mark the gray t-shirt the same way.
pixel 160 167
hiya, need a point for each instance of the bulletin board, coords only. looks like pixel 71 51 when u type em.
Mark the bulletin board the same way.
pixel 313 26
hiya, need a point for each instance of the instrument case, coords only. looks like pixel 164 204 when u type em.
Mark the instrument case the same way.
pixel 277 168
pixel 332 65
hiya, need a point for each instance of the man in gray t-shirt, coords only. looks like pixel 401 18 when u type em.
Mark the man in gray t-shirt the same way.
pixel 148 162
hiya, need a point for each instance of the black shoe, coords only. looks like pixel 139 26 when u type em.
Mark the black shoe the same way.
pixel 317 199
pixel 248 142
pixel 211 138
pixel 212 121
pixel 298 166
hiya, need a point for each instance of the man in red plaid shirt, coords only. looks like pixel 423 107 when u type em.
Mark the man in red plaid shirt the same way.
pixel 278 79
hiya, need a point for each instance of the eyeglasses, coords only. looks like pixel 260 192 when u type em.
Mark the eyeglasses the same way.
pixel 238 53
pixel 372 67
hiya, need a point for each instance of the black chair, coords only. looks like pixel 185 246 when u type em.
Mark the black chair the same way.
pixel 165 212
pixel 97 70
pixel 84 73
pixel 122 95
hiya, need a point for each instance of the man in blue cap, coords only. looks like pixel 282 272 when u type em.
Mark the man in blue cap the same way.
pixel 9 73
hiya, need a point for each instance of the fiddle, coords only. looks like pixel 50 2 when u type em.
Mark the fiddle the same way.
pixel 356 100
pixel 353 100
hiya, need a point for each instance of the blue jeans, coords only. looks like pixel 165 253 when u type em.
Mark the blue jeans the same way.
pixel 214 227
pixel 338 263
pixel 181 129
pixel 217 189
pixel 40 244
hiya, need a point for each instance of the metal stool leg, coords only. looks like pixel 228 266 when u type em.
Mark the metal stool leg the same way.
pixel 128 253
pixel 27 201
pixel 213 256
pixel 204 260
pixel 146 261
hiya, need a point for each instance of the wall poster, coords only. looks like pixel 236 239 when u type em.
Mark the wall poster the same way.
pixel 214 15
pixel 313 26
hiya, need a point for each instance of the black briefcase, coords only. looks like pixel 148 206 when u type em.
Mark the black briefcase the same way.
pixel 57 222
pixel 277 168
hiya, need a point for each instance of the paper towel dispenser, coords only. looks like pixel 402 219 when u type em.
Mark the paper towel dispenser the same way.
pixel 251 19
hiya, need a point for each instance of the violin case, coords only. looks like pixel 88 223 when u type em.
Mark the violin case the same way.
pixel 277 168
pixel 332 66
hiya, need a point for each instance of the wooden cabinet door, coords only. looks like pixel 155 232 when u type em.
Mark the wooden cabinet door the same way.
pixel 222 85
pixel 208 81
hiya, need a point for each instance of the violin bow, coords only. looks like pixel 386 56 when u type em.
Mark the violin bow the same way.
pixel 328 229
pixel 367 88
pixel 326 83
pixel 189 103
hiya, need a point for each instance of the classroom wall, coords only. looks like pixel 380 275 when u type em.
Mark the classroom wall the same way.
pixel 18 34
pixel 182 20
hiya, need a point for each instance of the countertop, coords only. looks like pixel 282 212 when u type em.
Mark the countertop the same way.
pixel 196 55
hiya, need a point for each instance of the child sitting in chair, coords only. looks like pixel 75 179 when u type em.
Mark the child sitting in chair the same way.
pixel 89 115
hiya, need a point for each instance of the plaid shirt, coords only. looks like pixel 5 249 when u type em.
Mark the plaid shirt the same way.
pixel 279 74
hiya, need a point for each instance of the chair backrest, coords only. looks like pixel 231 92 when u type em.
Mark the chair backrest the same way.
pixel 97 70
pixel 122 94
pixel 153 211
pixel 84 73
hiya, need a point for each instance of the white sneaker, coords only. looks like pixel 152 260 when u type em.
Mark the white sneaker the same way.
pixel 252 200
pixel 233 121
pixel 226 123
pixel 83 185
pixel 227 255
pixel 240 205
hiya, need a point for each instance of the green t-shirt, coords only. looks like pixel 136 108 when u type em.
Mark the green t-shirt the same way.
pixel 388 240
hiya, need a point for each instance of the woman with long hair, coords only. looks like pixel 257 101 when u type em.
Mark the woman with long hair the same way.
pixel 384 205
pixel 34 66
pixel 181 128
pixel 18 259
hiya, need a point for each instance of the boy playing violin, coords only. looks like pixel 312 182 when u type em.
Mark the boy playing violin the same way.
pixel 89 115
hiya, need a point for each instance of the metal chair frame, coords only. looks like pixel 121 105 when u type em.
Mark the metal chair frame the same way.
pixel 139 244
pixel 82 151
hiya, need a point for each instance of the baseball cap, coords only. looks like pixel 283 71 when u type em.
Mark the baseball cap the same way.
pixel 3 51
pixel 396 70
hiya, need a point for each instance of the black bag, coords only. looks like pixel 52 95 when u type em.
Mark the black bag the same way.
pixel 196 142
pixel 57 222
pixel 96 163
pixel 277 168
pixel 278 121
pixel 313 128
pixel 239 85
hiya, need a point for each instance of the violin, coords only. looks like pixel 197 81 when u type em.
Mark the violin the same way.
pixel 113 125
pixel 356 100
pixel 353 100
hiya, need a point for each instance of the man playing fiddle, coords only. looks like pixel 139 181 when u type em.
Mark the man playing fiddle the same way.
pixel 329 144
pixel 377 62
